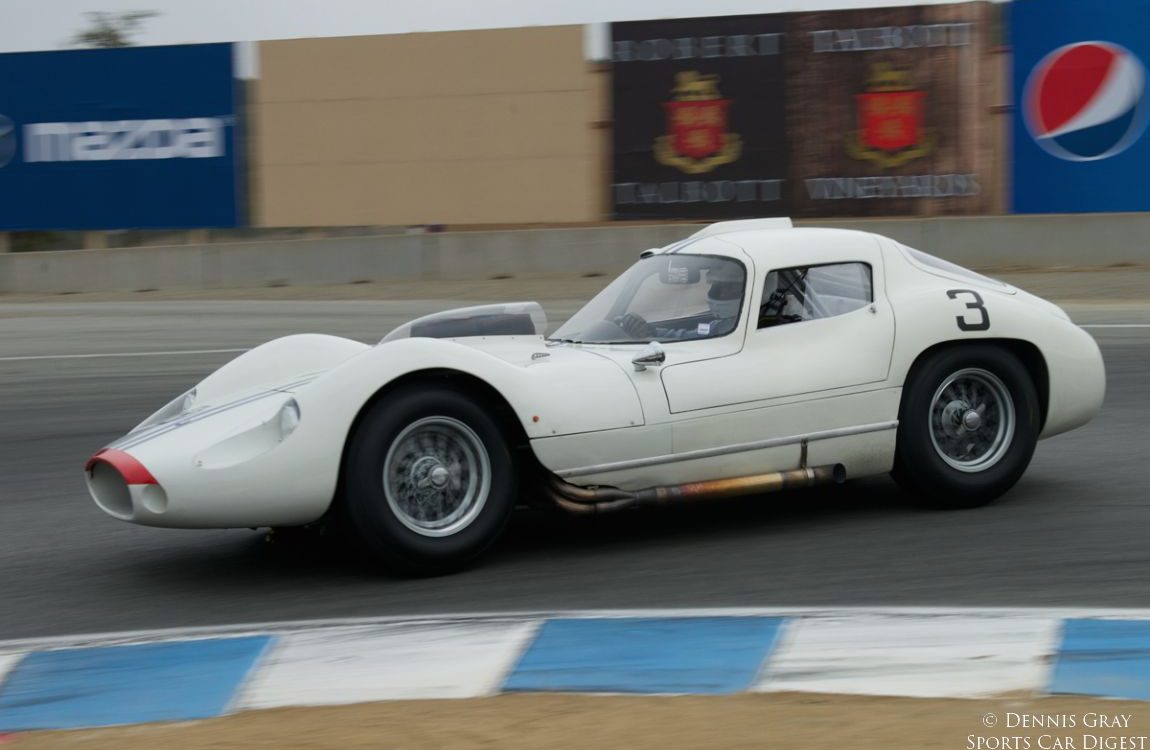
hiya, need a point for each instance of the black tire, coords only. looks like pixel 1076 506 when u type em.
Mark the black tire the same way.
pixel 404 424
pixel 933 440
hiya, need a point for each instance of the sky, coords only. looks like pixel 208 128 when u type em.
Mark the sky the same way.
pixel 48 24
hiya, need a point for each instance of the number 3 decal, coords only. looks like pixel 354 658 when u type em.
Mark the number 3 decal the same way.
pixel 983 324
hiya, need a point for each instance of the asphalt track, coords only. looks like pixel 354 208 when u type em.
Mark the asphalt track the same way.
pixel 1074 532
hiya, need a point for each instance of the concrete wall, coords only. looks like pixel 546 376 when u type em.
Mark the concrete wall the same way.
pixel 464 127
pixel 984 242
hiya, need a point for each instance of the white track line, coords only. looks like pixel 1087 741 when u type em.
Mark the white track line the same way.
pixel 284 627
pixel 925 657
pixel 121 354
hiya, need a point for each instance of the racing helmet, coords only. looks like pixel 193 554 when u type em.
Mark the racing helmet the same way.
pixel 726 291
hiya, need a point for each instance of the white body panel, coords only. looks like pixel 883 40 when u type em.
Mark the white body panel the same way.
pixel 230 469
pixel 739 404
pixel 926 317
pixel 594 459
pixel 845 351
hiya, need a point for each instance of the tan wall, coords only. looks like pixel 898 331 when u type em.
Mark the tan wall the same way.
pixel 1001 114
pixel 468 127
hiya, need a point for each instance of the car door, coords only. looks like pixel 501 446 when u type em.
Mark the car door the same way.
pixel 691 299
pixel 808 366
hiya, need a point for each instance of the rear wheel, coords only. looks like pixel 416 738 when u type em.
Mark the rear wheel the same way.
pixel 429 480
pixel 968 425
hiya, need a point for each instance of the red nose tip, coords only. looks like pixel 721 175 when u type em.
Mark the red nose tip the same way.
pixel 130 469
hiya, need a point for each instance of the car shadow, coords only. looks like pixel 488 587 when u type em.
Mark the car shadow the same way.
pixel 535 535
pixel 750 515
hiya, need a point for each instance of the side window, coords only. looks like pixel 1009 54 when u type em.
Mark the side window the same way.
pixel 792 295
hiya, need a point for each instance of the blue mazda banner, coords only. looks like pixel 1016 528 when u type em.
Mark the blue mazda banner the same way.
pixel 1080 141
pixel 142 137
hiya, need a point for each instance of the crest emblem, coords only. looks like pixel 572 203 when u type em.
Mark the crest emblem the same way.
pixel 890 114
pixel 697 139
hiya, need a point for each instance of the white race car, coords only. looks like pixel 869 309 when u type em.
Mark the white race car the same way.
pixel 750 357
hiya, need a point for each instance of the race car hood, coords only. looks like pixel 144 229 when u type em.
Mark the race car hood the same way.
pixel 528 351
pixel 573 384
pixel 282 364
pixel 293 361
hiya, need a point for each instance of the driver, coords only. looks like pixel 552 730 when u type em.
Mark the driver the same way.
pixel 724 298
pixel 723 301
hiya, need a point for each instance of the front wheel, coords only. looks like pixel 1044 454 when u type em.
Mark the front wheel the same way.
pixel 968 426
pixel 429 481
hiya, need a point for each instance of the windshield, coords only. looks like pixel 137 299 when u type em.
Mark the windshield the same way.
pixel 663 298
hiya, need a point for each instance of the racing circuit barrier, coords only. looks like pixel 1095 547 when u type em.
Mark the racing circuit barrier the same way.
pixel 184 675
pixel 981 242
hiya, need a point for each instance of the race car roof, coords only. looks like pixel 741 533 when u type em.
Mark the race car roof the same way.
pixel 766 242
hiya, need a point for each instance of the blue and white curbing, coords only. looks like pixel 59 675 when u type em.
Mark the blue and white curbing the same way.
pixel 183 675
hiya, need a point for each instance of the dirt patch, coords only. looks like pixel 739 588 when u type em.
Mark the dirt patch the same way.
pixel 531 722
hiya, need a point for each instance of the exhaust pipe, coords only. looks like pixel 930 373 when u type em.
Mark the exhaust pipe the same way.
pixel 586 500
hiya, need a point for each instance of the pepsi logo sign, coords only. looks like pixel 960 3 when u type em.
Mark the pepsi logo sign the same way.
pixel 1086 101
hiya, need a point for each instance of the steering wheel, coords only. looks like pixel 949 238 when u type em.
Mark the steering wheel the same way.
pixel 635 326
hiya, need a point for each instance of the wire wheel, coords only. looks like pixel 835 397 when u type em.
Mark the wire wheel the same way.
pixel 437 476
pixel 972 420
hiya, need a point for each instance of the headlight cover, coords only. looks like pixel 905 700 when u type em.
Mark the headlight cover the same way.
pixel 187 401
pixel 289 418
pixel 175 408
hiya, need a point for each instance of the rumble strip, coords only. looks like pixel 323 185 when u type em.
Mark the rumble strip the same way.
pixel 129 678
